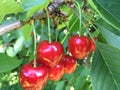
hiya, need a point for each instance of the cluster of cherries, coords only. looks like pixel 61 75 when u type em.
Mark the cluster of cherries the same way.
pixel 52 63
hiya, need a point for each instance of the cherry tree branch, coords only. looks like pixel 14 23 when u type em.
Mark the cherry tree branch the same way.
pixel 39 15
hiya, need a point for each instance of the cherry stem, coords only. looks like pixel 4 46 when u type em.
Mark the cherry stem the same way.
pixel 80 22
pixel 56 37
pixel 79 13
pixel 41 31
pixel 34 31
pixel 68 31
pixel 64 38
pixel 89 31
pixel 56 31
pixel 48 21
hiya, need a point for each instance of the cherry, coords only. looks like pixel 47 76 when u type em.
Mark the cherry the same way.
pixel 79 46
pixel 93 44
pixel 56 72
pixel 33 78
pixel 70 64
pixel 50 53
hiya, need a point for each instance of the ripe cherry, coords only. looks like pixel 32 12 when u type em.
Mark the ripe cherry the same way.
pixel 79 46
pixel 50 53
pixel 56 72
pixel 70 64
pixel 93 44
pixel 33 78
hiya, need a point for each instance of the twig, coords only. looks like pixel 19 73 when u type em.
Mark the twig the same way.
pixel 39 15
pixel 85 5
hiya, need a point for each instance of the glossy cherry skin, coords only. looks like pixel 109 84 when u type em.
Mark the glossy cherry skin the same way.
pixel 56 72
pixel 70 64
pixel 33 78
pixel 79 46
pixel 50 53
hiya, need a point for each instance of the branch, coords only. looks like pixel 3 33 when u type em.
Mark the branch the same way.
pixel 39 15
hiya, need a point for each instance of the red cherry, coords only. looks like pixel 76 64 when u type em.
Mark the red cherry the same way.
pixel 96 39
pixel 79 46
pixel 50 53
pixel 33 78
pixel 70 64
pixel 56 72
pixel 93 44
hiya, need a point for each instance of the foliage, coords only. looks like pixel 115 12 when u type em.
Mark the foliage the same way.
pixel 99 18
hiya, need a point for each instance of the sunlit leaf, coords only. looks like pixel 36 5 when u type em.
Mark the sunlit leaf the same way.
pixel 27 31
pixel 32 6
pixel 9 7
pixel 8 63
pixel 74 23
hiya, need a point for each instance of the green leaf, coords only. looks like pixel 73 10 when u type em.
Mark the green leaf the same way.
pixel 67 87
pixel 17 46
pixel 60 86
pixel 85 72
pixel 9 7
pixel 27 30
pixel 32 6
pixel 108 10
pixel 110 37
pixel 74 23
pixel 8 63
pixel 80 82
pixel 102 25
pixel 28 4
pixel 106 68
pixel 19 43
pixel 80 69
pixel 1 75
pixel 10 51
